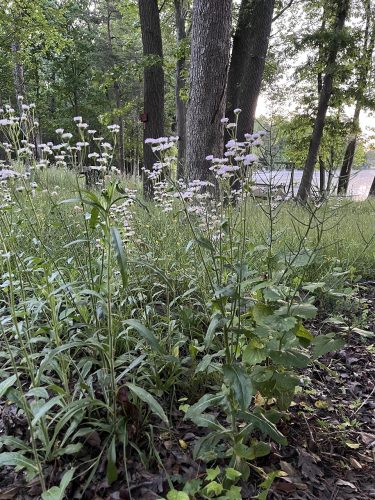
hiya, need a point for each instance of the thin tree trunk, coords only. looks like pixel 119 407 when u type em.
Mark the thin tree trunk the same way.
pixel 116 90
pixel 365 64
pixel 322 176
pixel 208 81
pixel 346 168
pixel 372 188
pixel 324 98
pixel 250 45
pixel 180 86
pixel 153 75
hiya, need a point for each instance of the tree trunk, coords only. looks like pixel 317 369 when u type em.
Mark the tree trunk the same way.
pixel 180 86
pixel 364 66
pixel 346 168
pixel 322 176
pixel 324 98
pixel 372 188
pixel 153 86
pixel 208 81
pixel 250 45
pixel 116 90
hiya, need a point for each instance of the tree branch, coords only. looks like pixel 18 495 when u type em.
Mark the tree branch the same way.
pixel 282 10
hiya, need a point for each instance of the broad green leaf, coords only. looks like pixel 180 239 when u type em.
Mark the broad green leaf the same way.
pixel 239 381
pixel 146 397
pixel 306 311
pixel 254 353
pixel 145 333
pixel 120 255
pixel 326 343
pixel 290 358
pixel 7 384
pixel 261 312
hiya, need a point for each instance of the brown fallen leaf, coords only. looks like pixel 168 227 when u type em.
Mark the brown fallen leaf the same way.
pixel 355 463
pixel 368 439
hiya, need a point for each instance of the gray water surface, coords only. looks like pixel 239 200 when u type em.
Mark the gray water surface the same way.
pixel 359 184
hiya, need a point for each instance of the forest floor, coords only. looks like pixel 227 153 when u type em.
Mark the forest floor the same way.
pixel 330 429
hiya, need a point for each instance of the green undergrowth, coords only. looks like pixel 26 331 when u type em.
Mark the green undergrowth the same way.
pixel 119 320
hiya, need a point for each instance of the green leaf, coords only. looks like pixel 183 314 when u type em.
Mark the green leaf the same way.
pixel 261 312
pixel 252 452
pixel 212 474
pixel 326 343
pixel 215 323
pixel 94 217
pixel 290 357
pixel 149 400
pixel 254 353
pixel 145 333
pixel 7 384
pixel 305 337
pixel 214 488
pixel 232 474
pixel 306 311
pixel 206 401
pixel 262 423
pixel 120 255
pixel 177 495
pixel 111 472
pixel 239 381
pixel 42 410
pixel 58 492
pixel 205 243
pixel 17 459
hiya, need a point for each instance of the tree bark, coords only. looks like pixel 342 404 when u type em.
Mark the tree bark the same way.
pixel 250 46
pixel 208 82
pixel 372 188
pixel 116 89
pixel 180 86
pixel 324 98
pixel 153 85
pixel 365 64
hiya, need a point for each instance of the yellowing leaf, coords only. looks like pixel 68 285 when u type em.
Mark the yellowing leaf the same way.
pixel 183 444
pixel 321 404
pixel 353 446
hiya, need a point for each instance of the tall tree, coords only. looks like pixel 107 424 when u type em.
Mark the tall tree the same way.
pixel 153 84
pixel 250 45
pixel 209 63
pixel 112 12
pixel 180 15
pixel 342 10
pixel 364 68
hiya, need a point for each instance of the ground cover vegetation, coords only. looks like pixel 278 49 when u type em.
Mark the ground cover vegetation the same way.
pixel 169 328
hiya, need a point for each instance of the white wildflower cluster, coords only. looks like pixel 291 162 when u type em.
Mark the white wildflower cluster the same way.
pixel 162 143
pixel 124 213
pixel 237 157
